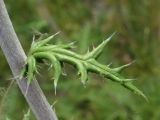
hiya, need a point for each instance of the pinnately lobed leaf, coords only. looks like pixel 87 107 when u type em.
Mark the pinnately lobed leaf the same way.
pixel 57 54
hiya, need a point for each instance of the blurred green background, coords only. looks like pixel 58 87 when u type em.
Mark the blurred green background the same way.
pixel 89 22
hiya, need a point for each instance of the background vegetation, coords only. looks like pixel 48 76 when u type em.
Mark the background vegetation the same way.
pixel 89 22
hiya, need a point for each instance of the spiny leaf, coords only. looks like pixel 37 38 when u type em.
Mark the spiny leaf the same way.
pixel 57 70
pixel 45 41
pixel 34 65
pixel 119 69
pixel 23 72
pixel 83 72
pixel 57 54
pixel 56 64
pixel 70 45
pixel 30 69
pixel 135 90
pixel 97 51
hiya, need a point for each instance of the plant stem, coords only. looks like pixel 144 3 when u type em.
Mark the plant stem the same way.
pixel 16 59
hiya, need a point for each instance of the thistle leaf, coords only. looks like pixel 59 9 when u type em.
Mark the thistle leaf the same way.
pixel 57 70
pixel 98 50
pixel 83 72
pixel 30 69
pixel 34 65
pixel 70 45
pixel 54 61
pixel 134 89
pixel 57 54
pixel 45 41
pixel 119 69
pixel 23 72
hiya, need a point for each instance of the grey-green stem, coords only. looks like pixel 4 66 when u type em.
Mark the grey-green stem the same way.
pixel 16 59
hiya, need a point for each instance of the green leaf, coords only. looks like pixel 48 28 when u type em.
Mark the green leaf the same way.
pixel 57 54
pixel 98 50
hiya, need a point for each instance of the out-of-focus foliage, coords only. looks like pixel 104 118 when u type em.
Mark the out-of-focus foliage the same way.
pixel 89 22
